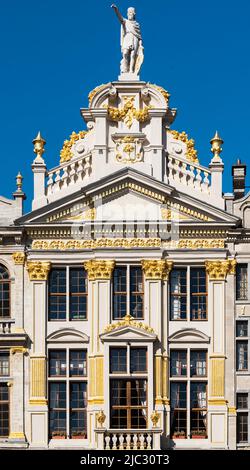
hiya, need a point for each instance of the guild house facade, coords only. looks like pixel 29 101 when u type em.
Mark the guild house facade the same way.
pixel 125 291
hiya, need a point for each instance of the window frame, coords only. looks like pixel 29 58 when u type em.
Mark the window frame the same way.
pixel 243 411
pixel 189 295
pixel 247 299
pixel 128 291
pixel 67 295
pixel 244 339
pixel 6 281
pixel 4 402
pixel 6 353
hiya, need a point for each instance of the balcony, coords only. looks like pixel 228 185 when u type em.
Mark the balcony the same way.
pixel 5 325
pixel 126 439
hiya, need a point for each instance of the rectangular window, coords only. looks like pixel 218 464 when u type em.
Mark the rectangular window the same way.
pixel 242 401
pixel 178 363
pixel 198 292
pixel 241 282
pixel 119 293
pixel 118 360
pixel 4 410
pixel 242 355
pixel 128 404
pixel 136 292
pixel 138 360
pixel 178 400
pixel 198 363
pixel 242 328
pixel 78 409
pixel 242 427
pixel 57 363
pixel 57 409
pixel 57 294
pixel 77 363
pixel 198 419
pixel 78 294
pixel 4 364
pixel 178 294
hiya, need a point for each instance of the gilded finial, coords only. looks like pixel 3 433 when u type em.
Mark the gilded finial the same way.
pixel 216 148
pixel 39 144
pixel 19 182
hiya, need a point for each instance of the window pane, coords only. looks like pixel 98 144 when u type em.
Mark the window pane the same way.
pixel 178 363
pixel 119 292
pixel 242 328
pixel 136 292
pixel 178 294
pixel 57 408
pixel 78 363
pixel 242 401
pixel 4 364
pixel 128 404
pixel 4 410
pixel 4 293
pixel 198 418
pixel 198 290
pixel 198 363
pixel 78 294
pixel 78 412
pixel 242 427
pixel 242 355
pixel 118 360
pixel 178 403
pixel 57 363
pixel 57 294
pixel 241 282
pixel 138 360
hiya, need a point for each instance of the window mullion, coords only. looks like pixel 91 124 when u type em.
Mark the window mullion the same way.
pixel 128 289
pixel 67 394
pixel 188 280
pixel 67 293
pixel 188 395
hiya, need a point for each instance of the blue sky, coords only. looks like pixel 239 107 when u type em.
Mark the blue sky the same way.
pixel 53 52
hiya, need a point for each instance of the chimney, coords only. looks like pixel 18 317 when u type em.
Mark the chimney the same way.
pixel 239 171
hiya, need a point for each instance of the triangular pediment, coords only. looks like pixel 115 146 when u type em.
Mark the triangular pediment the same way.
pixel 128 195
pixel 128 333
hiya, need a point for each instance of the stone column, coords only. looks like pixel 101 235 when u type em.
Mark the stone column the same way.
pixel 155 272
pixel 38 274
pixel 99 276
pixel 217 403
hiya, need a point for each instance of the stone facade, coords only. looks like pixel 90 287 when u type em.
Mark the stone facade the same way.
pixel 128 192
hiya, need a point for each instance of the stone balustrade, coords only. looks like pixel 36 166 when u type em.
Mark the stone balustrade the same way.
pixel 5 325
pixel 69 173
pixel 122 439
pixel 192 175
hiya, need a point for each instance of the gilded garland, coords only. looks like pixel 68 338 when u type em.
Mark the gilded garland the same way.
pixel 66 153
pixel 128 112
pixel 191 153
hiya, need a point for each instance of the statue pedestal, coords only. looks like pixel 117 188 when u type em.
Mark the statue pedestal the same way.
pixel 128 77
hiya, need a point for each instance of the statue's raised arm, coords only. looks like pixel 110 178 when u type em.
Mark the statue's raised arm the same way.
pixel 118 14
pixel 131 42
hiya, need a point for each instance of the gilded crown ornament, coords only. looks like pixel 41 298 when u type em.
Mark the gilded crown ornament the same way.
pixel 19 258
pixel 216 148
pixel 39 144
pixel 128 320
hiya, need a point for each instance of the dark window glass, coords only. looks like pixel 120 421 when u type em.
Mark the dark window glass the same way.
pixel 242 427
pixel 198 363
pixel 119 292
pixel 78 294
pixel 57 294
pixel 118 360
pixel 242 328
pixel 178 363
pixel 241 282
pixel 57 363
pixel 128 403
pixel 136 292
pixel 242 401
pixel 198 418
pixel 4 364
pixel 198 290
pixel 178 294
pixel 78 409
pixel 4 410
pixel 138 360
pixel 4 293
pixel 78 363
pixel 57 408
pixel 178 400
pixel 242 355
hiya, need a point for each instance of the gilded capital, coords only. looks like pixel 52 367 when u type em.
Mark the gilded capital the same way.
pixel 156 269
pixel 99 269
pixel 38 270
pixel 19 257
pixel 218 270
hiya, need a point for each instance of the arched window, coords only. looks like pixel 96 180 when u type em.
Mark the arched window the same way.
pixel 4 292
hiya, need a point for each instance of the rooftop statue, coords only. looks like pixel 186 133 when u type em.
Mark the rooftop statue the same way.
pixel 131 42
